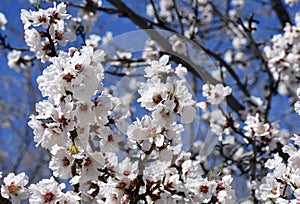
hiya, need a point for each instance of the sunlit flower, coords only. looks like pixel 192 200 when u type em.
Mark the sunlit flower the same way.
pixel 45 191
pixel 3 21
pixel 14 187
pixel 215 93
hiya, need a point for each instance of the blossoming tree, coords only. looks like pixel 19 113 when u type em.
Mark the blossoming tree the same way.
pixel 199 105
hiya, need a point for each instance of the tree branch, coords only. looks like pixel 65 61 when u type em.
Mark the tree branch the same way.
pixel 281 12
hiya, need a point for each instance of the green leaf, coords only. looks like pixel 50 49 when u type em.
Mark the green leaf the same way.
pixel 211 174
pixel 171 93
pixel 38 6
pixel 220 171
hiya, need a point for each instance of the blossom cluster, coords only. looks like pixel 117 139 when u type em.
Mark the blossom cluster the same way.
pixel 72 123
pixel 78 123
pixel 281 185
pixel 283 57
pixel 70 116
pixel 104 158
pixel 54 30
pixel 166 96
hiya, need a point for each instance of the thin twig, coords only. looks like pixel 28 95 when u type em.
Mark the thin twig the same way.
pixel 155 11
pixel 179 17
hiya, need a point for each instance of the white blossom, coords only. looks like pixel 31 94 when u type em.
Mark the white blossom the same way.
pixel 14 187
pixel 291 2
pixel 45 191
pixel 215 93
pixel 61 162
pixel 3 21
pixel 16 61
pixel 256 128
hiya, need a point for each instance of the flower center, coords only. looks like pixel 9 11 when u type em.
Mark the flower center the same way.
pixel 274 191
pixel 88 162
pixel 48 197
pixel 110 138
pixel 13 189
pixel 203 189
pixel 68 77
pixel 126 172
pixel 156 99
pixel 66 162
pixel 73 150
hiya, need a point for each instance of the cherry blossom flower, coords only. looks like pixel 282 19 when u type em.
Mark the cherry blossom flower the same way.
pixel 226 194
pixel 256 128
pixel 33 40
pixel 143 129
pixel 85 114
pixel 153 93
pixel 35 18
pixel 215 93
pixel 110 192
pixel 93 41
pixel 164 115
pixel 127 170
pixel 58 12
pixel 150 10
pixel 61 162
pixel 150 51
pixel 109 140
pixel 107 37
pixel 178 45
pixel 184 101
pixel 52 125
pixel 45 191
pixel 3 21
pixel 70 197
pixel 174 132
pixel 16 61
pixel 91 163
pixel 158 67
pixel 217 122
pixel 269 189
pixel 203 189
pixel 238 3
pixel 291 2
pixel 61 34
pixel 297 104
pixel 14 187
pixel 180 71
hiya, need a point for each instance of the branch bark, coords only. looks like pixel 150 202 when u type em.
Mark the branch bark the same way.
pixel 281 12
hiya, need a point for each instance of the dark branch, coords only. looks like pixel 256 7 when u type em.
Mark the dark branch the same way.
pixel 281 12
